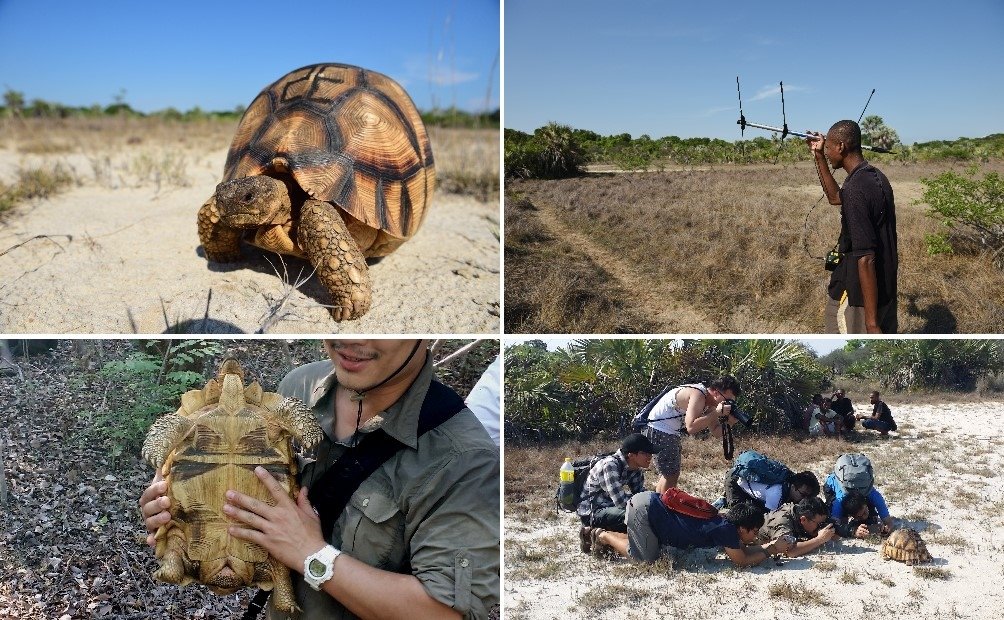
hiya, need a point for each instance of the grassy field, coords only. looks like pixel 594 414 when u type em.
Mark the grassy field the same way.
pixel 159 150
pixel 939 475
pixel 731 249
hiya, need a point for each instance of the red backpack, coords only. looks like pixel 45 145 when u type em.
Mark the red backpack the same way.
pixel 686 504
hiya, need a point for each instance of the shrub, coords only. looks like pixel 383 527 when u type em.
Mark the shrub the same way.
pixel 971 209
pixel 149 385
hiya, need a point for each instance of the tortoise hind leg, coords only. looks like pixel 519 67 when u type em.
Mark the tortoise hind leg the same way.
pixel 221 242
pixel 337 259
pixel 283 596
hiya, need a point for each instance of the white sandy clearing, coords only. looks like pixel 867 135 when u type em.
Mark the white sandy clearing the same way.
pixel 134 263
pixel 942 475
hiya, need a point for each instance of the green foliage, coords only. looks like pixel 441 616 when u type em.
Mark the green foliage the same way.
pixel 874 132
pixel 929 364
pixel 553 152
pixel 146 386
pixel 971 209
pixel 596 386
pixel 453 117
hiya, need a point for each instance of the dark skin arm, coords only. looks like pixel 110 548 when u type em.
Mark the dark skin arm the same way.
pixel 868 279
pixel 816 142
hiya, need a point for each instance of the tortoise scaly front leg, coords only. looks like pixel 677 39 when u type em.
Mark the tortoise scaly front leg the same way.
pixel 336 257
pixel 222 243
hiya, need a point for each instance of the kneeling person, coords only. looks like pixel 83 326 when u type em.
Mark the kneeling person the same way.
pixel 611 483
pixel 798 528
pixel 651 525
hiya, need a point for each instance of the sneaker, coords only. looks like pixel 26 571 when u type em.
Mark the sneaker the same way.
pixel 598 547
pixel 585 538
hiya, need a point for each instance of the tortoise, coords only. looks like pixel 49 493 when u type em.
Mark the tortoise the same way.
pixel 330 163
pixel 905 545
pixel 213 443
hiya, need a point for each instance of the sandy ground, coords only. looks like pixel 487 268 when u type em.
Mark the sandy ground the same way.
pixel 122 256
pixel 942 475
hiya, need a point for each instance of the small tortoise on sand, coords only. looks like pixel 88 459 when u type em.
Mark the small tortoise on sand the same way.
pixel 212 444
pixel 330 163
pixel 905 545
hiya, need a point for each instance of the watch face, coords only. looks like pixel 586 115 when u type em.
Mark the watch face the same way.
pixel 317 568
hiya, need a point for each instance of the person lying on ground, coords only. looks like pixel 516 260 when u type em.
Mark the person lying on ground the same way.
pixel 694 407
pixel 798 528
pixel 860 517
pixel 845 508
pixel 881 419
pixel 650 526
pixel 610 484
pixel 769 497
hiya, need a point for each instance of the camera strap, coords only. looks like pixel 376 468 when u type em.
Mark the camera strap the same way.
pixel 728 443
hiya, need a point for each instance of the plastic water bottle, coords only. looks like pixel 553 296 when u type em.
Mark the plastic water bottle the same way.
pixel 566 490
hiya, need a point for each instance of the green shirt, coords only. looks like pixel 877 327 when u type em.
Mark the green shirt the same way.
pixel 432 510
pixel 782 522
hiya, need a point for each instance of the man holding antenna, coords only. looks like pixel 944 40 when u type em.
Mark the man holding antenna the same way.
pixel 862 289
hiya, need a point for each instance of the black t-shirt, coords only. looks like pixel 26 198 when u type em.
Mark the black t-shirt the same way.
pixel 884 413
pixel 843 406
pixel 867 225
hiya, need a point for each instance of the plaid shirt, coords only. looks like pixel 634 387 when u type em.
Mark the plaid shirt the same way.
pixel 610 483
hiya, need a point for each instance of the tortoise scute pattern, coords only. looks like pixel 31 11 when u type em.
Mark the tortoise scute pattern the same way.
pixel 906 545
pixel 328 156
pixel 213 443
pixel 344 131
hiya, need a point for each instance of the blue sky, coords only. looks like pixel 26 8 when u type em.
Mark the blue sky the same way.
pixel 669 67
pixel 218 55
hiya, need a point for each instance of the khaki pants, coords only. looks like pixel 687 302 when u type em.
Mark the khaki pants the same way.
pixel 843 318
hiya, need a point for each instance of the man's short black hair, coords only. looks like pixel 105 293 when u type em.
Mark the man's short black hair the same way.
pixel 636 442
pixel 806 479
pixel 745 515
pixel 726 383
pixel 853 503
pixel 849 133
pixel 817 398
pixel 810 507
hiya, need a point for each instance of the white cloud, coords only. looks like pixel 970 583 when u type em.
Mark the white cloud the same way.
pixel 775 91
pixel 716 110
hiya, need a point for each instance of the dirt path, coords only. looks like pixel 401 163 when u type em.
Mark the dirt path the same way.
pixel 657 301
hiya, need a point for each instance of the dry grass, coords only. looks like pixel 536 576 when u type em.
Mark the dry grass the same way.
pixel 932 572
pixel 738 232
pixel 125 150
pixel 551 287
pixel 33 183
pixel 611 596
pixel 797 595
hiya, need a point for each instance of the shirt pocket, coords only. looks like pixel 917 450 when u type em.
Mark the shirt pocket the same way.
pixel 374 531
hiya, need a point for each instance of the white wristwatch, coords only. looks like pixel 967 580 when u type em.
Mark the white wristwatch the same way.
pixel 320 566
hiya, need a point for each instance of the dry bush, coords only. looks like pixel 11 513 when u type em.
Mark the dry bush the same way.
pixel 733 240
pixel 467 161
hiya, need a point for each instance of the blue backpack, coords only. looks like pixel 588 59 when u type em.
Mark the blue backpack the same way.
pixel 755 467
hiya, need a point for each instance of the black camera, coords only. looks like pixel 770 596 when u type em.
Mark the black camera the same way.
pixel 737 413
pixel 832 259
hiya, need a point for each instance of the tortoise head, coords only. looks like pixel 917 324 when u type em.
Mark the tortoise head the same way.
pixel 232 394
pixel 253 201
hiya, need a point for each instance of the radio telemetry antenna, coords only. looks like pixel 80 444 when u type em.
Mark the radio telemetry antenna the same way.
pixel 784 131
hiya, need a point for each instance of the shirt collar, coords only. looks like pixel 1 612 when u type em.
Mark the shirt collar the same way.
pixel 400 420
pixel 864 162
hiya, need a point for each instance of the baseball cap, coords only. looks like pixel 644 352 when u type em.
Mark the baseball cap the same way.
pixel 636 442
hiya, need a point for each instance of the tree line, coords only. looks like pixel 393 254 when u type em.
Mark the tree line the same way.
pixel 16 106
pixel 559 151
pixel 596 386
